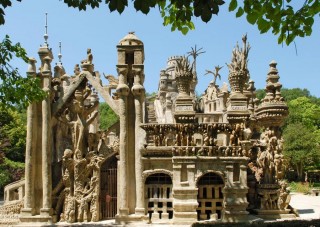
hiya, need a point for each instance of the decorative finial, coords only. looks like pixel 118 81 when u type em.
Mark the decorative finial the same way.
pixel 132 33
pixel 195 53
pixel 46 33
pixel 215 73
pixel 60 55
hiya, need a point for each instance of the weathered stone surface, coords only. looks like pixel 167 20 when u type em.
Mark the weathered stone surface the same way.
pixel 175 159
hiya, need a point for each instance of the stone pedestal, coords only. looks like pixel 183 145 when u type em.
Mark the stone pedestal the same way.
pixel 185 204
pixel 237 109
pixel 269 209
pixel 274 214
pixel 184 111
pixel 235 204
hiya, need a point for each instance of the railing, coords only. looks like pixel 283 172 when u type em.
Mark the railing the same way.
pixel 14 191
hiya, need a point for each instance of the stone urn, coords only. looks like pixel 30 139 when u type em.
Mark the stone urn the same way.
pixel 237 80
pixel 184 76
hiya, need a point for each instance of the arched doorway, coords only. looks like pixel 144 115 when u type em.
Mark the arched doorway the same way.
pixel 108 183
pixel 158 196
pixel 210 197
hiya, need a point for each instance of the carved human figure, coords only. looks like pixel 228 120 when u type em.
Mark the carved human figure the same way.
pixel 233 138
pixel 84 212
pixel 284 197
pixel 265 162
pixel 265 201
pixel 80 119
pixel 70 209
pixel 76 70
pixel 278 160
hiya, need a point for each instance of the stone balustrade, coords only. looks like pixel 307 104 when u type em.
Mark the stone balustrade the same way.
pixel 14 191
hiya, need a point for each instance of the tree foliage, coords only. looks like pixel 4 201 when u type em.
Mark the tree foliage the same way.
pixel 107 116
pixel 285 19
pixel 301 130
pixel 10 171
pixel 301 147
pixel 290 94
pixel 12 134
pixel 12 145
pixel 304 111
pixel 15 89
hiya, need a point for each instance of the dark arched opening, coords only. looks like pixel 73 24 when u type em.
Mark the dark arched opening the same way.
pixel 158 196
pixel 210 197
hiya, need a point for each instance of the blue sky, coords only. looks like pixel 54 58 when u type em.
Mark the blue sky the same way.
pixel 101 31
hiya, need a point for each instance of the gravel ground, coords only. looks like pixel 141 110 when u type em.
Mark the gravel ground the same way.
pixel 307 206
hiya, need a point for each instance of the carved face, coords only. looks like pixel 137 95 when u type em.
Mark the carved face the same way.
pixel 78 154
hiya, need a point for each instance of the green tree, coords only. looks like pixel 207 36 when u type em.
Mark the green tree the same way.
pixel 305 111
pixel 15 89
pixel 10 171
pixel 294 93
pixel 12 145
pixel 12 134
pixel 291 94
pixel 260 94
pixel 286 19
pixel 301 147
pixel 107 116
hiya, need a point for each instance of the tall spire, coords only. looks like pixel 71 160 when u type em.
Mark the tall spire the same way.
pixel 60 55
pixel 46 31
pixel 44 49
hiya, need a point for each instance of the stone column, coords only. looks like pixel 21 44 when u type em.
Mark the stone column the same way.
pixel 31 136
pixel 235 195
pixel 139 92
pixel 243 175
pixel 123 91
pixel 46 139
pixel 184 190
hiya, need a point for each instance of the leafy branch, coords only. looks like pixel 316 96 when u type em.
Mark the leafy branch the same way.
pixel 15 89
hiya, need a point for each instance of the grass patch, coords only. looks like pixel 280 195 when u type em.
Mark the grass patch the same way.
pixel 303 187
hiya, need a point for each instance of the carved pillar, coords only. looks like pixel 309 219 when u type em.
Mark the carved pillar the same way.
pixel 184 189
pixel 123 91
pixel 31 137
pixel 46 139
pixel 235 194
pixel 139 93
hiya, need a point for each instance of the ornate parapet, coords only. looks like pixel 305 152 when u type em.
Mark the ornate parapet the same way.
pixel 208 139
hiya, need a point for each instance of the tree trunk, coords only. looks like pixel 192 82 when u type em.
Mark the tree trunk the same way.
pixel 299 166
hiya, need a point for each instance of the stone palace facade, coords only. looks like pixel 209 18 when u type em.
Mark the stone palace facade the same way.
pixel 171 158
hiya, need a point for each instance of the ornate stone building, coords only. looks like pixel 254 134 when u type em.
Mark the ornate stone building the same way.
pixel 178 159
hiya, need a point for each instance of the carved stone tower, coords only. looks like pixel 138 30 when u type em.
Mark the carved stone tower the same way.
pixel 131 98
pixel 38 153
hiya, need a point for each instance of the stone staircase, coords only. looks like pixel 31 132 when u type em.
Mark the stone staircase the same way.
pixel 150 112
